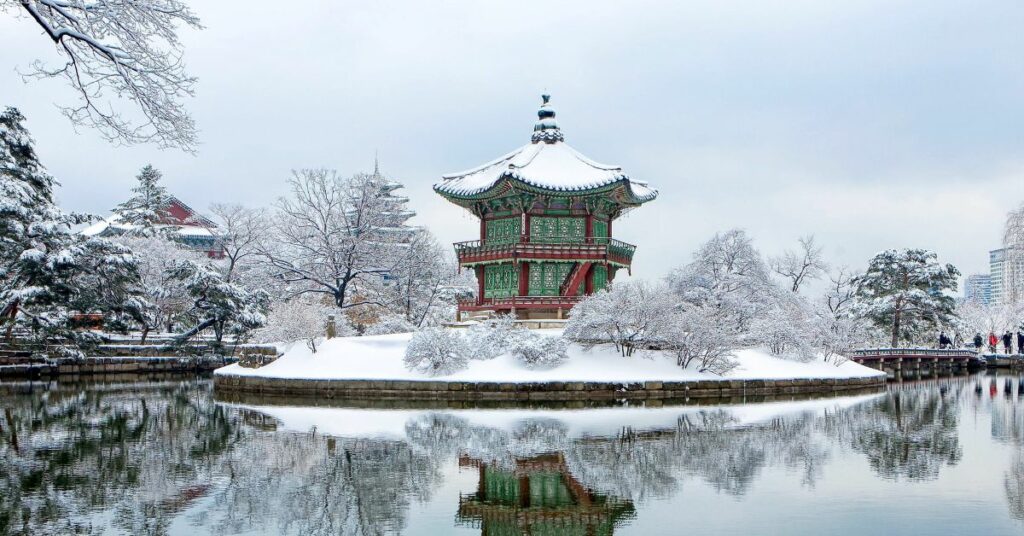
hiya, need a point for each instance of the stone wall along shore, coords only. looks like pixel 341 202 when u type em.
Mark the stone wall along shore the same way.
pixel 441 390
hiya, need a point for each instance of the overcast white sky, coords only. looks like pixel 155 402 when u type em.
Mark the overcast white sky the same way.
pixel 872 124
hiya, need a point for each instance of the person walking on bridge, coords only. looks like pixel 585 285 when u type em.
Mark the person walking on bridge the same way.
pixel 978 342
pixel 993 342
pixel 1007 342
pixel 1020 340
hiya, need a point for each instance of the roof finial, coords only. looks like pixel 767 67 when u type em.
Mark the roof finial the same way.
pixel 546 128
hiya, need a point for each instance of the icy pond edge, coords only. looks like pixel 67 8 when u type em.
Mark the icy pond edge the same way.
pixel 537 391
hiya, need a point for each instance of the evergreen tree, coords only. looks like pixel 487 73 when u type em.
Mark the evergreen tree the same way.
pixel 147 207
pixel 217 304
pixel 48 272
pixel 904 292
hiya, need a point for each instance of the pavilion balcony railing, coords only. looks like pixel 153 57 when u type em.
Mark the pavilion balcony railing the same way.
pixel 519 301
pixel 547 247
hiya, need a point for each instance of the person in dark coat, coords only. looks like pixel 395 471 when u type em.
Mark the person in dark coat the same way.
pixel 1020 340
pixel 1007 342
pixel 978 341
pixel 943 340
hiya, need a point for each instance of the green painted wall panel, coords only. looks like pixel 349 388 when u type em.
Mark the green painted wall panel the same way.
pixel 543 229
pixel 504 230
pixel 500 281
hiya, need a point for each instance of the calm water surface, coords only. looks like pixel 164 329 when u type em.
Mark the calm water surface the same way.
pixel 940 457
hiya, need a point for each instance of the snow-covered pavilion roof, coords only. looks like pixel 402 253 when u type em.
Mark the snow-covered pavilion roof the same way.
pixel 547 162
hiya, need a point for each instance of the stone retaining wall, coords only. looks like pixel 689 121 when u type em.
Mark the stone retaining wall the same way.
pixel 439 390
pixel 110 365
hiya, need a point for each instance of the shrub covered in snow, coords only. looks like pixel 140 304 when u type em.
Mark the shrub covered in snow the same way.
pixel 493 337
pixel 697 338
pixel 390 323
pixel 301 320
pixel 436 352
pixel 539 351
pixel 630 315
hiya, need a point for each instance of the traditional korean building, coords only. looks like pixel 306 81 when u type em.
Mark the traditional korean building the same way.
pixel 546 216
pixel 186 226
pixel 538 496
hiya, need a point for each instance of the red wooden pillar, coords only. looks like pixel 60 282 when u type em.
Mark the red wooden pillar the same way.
pixel 588 283
pixel 590 226
pixel 483 229
pixel 524 233
pixel 524 279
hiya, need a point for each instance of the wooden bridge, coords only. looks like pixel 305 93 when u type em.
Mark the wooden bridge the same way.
pixel 917 363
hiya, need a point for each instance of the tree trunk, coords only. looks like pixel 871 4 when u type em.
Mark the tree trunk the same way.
pixel 895 328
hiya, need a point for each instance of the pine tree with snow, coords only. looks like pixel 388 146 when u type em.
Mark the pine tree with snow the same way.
pixel 48 273
pixel 147 207
pixel 218 305
pixel 905 292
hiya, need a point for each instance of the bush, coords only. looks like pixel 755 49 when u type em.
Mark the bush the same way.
pixel 493 337
pixel 436 352
pixel 698 338
pixel 538 351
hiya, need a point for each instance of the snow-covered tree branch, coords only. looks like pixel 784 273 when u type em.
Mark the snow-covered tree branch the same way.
pixel 798 267
pixel 120 50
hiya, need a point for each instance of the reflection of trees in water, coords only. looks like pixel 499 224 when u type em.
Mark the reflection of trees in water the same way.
pixel 1014 484
pixel 635 465
pixel 313 484
pixel 909 434
pixel 147 455
pixel 137 454
pixel 137 457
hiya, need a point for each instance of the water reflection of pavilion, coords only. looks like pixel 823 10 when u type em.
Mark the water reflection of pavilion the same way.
pixel 538 497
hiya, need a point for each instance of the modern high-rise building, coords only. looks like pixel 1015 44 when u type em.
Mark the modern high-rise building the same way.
pixel 996 265
pixel 978 288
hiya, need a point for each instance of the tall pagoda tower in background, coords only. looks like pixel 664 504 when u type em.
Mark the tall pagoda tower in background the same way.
pixel 546 214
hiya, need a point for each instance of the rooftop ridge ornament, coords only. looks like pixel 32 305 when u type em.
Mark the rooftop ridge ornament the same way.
pixel 546 128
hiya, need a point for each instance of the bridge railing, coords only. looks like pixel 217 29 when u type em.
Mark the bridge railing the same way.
pixel 902 352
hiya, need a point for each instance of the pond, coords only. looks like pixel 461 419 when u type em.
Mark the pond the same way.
pixel 166 457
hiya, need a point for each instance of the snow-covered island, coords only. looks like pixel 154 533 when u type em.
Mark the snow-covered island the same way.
pixel 383 357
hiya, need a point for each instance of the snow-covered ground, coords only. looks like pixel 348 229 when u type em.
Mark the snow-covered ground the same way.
pixel 380 358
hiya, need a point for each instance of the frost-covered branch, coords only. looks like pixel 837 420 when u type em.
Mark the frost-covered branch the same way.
pixel 114 50
pixel 798 267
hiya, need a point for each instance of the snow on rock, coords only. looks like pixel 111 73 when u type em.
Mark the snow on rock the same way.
pixel 381 358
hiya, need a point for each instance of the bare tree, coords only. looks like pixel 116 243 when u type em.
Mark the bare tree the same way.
pixel 802 265
pixel 240 230
pixel 419 284
pixel 333 235
pixel 840 292
pixel 122 49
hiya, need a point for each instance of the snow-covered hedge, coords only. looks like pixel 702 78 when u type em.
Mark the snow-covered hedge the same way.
pixel 539 351
pixel 493 337
pixel 436 352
